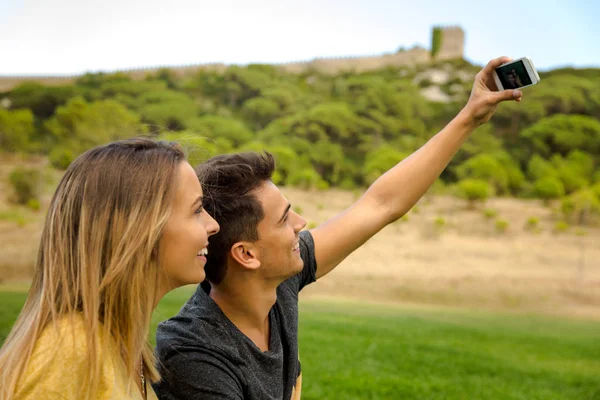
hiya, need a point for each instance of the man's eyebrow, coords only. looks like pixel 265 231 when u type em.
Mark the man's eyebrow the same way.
pixel 284 213
pixel 197 201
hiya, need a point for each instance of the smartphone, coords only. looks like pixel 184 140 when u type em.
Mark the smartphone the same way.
pixel 516 74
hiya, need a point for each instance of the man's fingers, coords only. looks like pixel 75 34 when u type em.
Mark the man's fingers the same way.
pixel 506 95
pixel 495 63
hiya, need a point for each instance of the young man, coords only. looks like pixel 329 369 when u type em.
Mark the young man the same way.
pixel 237 336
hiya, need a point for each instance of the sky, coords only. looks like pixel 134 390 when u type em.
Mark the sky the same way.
pixel 60 37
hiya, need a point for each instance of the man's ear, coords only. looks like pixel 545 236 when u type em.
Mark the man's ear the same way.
pixel 245 254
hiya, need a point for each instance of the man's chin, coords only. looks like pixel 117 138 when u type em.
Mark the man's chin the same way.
pixel 299 266
pixel 296 267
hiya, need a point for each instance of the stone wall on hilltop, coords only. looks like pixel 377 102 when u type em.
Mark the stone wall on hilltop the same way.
pixel 452 47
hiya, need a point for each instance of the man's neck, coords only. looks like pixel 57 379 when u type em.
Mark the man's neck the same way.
pixel 247 304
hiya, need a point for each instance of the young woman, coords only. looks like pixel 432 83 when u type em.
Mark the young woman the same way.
pixel 125 226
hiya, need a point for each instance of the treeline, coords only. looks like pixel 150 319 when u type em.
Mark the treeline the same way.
pixel 330 131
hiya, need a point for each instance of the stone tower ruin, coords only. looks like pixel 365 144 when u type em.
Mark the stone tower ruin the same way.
pixel 452 43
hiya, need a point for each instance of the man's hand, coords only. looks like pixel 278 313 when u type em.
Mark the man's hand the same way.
pixel 485 96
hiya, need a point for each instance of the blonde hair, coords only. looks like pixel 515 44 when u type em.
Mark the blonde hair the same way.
pixel 98 257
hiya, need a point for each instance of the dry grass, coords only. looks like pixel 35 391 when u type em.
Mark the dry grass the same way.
pixel 441 254
pixel 465 261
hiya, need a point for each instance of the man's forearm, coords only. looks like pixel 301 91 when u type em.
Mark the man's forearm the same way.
pixel 400 188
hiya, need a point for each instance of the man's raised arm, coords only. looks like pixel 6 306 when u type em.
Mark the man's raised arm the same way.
pixel 395 192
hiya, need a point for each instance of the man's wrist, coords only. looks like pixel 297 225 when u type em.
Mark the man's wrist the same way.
pixel 467 120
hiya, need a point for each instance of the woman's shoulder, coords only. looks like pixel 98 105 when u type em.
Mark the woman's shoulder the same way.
pixel 60 359
pixel 65 338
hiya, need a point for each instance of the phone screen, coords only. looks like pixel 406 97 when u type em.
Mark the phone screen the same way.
pixel 513 75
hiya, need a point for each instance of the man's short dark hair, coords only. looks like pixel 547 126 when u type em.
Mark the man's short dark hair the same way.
pixel 229 183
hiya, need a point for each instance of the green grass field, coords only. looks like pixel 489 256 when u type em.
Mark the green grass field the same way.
pixel 362 351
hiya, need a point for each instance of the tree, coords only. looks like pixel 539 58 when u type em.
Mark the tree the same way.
pixel 482 140
pixel 214 127
pixel 198 148
pixel 167 109
pixel 16 130
pixel 235 85
pixel 538 168
pixel 79 125
pixel 575 170
pixel 516 177
pixel 329 160
pixel 379 160
pixel 287 160
pixel 41 100
pixel 485 167
pixel 131 89
pixel 567 94
pixel 548 188
pixel 335 122
pixel 596 190
pixel 564 133
pixel 167 76
pixel 261 111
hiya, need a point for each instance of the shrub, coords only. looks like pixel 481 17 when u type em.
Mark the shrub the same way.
pixel 439 222
pixel 561 226
pixel 424 83
pixel 61 157
pixel 34 204
pixel 26 183
pixel 548 188
pixel 532 223
pixel 571 178
pixel 538 167
pixel 596 190
pixel 581 207
pixel 474 190
pixel 16 129
pixel 490 213
pixel 501 225
pixel 436 41
pixel 306 178
pixel 13 216
pixel 487 168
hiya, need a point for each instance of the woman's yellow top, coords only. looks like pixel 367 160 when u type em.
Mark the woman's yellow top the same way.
pixel 57 366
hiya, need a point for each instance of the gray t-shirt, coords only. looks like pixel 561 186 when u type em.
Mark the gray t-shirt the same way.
pixel 203 355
